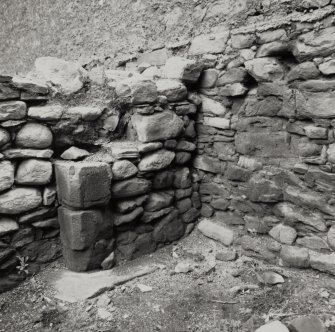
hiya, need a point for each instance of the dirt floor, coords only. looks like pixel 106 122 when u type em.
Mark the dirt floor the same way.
pixel 200 300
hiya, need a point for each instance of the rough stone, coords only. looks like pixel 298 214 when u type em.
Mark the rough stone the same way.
pixel 190 216
pixel 216 122
pixel 216 231
pixel 7 226
pixel 8 92
pixel 313 242
pixel 264 190
pixel 163 180
pixel 315 44
pixel 156 160
pixel 233 90
pixel 149 147
pixel 159 126
pixel 62 76
pixel 34 172
pixel 331 237
pixel 283 234
pixel 233 75
pixel 46 113
pixel 207 164
pixel 265 69
pixel 303 71
pixel 211 106
pixel 226 256
pixel 323 262
pixel 74 153
pixel 215 43
pixel 173 90
pixel 20 200
pixel 182 69
pixel 310 323
pixel 34 135
pixel 294 256
pixel 129 205
pixel 83 184
pixel 4 137
pixel 182 178
pixel 274 326
pixel 123 169
pixel 242 40
pixel 121 219
pixel 27 153
pixel 130 188
pixel 328 67
pixel 47 223
pixel 6 175
pixel 158 201
pixel 12 110
pixel 136 91
pixel 30 85
pixel 208 78
pixel 169 228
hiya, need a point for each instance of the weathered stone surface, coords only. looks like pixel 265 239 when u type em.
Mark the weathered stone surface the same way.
pixel 311 323
pixel 274 326
pixel 34 172
pixel 190 216
pixel 331 237
pixel 272 49
pixel 34 135
pixel 216 122
pixel 328 67
pixel 62 76
pixel 323 262
pixel 331 153
pixel 169 228
pixel 317 85
pixel 7 225
pixel 46 113
pixel 315 132
pixel 49 195
pixel 269 106
pixel 20 200
pixel 163 180
pixel 184 205
pixel 309 198
pixel 215 43
pixel 173 90
pixel 120 219
pixel 208 78
pixel 12 110
pixel 151 216
pixel 185 146
pixel 315 44
pixel 30 85
pixel 149 147
pixel 74 153
pixel 136 91
pixel 128 205
pixel 79 229
pixel 242 40
pixel 216 231
pixel 265 69
pixel 131 187
pixel 295 257
pixel 233 90
pixel 47 223
pixel 182 178
pixel 262 144
pixel 6 175
pixel 158 201
pixel 226 256
pixel 303 71
pixel 207 164
pixel 315 105
pixel 159 126
pixel 83 184
pixel 211 106
pixel 292 214
pixel 182 69
pixel 264 190
pixel 8 92
pixel 85 113
pixel 27 153
pixel 156 161
pixel 123 169
pixel 233 75
pixel 283 234
pixel 313 242
pixel 4 137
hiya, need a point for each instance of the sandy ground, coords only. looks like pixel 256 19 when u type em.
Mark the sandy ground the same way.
pixel 200 300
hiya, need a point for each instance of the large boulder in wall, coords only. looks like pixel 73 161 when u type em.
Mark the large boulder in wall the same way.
pixel 159 126
pixel 62 76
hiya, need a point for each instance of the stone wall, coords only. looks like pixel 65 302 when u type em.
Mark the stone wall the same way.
pixel 119 147
pixel 240 130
